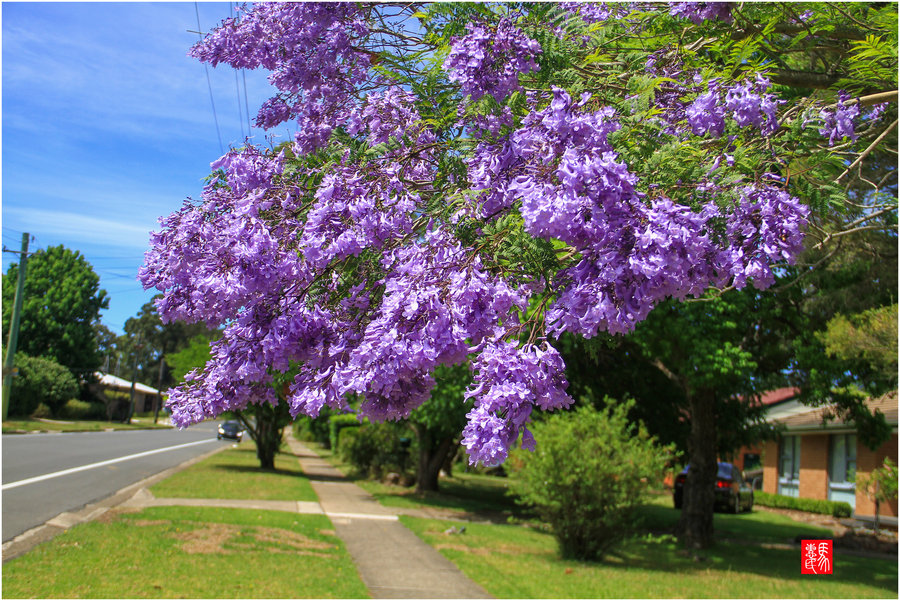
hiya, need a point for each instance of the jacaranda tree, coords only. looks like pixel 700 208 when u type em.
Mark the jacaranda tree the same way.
pixel 470 181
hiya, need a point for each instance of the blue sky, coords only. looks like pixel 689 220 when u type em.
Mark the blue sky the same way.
pixel 108 125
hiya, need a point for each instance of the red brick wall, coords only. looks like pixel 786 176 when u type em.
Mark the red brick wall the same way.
pixel 814 466
pixel 866 461
pixel 770 467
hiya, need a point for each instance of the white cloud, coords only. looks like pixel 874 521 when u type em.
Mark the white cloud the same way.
pixel 86 229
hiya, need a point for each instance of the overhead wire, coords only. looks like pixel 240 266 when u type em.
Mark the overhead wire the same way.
pixel 208 82
pixel 237 86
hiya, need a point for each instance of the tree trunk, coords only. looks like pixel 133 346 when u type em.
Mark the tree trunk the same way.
pixel 265 432
pixel 432 455
pixel 695 528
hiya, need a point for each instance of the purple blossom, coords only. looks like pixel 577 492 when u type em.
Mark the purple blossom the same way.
pixel 312 52
pixel 750 105
pixel 839 123
pixel 509 381
pixel 489 60
pixel 698 12
pixel 704 115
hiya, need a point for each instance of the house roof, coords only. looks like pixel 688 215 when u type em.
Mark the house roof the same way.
pixel 779 395
pixel 111 381
pixel 814 419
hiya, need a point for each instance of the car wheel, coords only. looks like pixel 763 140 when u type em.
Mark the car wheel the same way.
pixel 219 437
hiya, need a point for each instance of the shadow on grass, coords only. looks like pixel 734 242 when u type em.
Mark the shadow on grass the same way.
pixel 255 469
pixel 482 501
pixel 739 548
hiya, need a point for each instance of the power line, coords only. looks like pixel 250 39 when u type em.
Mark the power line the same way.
pixel 208 82
pixel 246 103
pixel 237 86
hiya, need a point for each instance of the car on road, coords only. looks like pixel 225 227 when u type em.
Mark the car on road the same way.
pixel 733 492
pixel 231 429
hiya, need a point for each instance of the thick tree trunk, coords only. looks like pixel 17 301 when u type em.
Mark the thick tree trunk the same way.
pixel 265 430
pixel 695 528
pixel 432 456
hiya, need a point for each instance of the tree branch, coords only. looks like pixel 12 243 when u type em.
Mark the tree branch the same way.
pixel 868 150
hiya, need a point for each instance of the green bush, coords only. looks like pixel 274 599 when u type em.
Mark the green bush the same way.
pixel 75 409
pixel 589 473
pixel 338 422
pixel 42 411
pixel 838 509
pixel 315 429
pixel 376 449
pixel 39 381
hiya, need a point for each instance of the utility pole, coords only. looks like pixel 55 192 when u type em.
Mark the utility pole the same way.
pixel 134 362
pixel 9 362
pixel 158 402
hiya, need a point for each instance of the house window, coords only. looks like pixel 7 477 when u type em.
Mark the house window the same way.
pixel 789 466
pixel 842 469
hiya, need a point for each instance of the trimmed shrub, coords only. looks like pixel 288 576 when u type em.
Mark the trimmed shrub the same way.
pixel 315 429
pixel 39 381
pixel 838 509
pixel 590 472
pixel 75 409
pixel 338 422
pixel 376 449
pixel 42 411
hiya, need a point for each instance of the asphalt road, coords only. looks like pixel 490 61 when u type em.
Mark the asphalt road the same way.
pixel 34 491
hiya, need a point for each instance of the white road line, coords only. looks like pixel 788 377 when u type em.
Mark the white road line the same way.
pixel 100 464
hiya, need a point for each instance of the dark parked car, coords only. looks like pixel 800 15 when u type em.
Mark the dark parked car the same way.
pixel 232 430
pixel 733 493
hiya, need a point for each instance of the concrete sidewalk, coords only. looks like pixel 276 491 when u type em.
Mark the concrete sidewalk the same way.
pixel 392 561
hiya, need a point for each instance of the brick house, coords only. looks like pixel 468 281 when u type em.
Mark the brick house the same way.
pixel 822 460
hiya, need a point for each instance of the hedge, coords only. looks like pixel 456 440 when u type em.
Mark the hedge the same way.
pixel 338 422
pixel 838 509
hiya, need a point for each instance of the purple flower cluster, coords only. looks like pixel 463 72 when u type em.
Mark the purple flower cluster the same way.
pixel 698 12
pixel 571 186
pixel 750 105
pixel 509 381
pixel 488 60
pixel 595 12
pixel 747 102
pixel 312 51
pixel 840 123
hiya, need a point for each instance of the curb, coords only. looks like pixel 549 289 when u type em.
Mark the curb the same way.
pixel 55 526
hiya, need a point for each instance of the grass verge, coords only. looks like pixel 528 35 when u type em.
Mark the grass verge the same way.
pixel 517 562
pixel 194 552
pixel 28 425
pixel 235 474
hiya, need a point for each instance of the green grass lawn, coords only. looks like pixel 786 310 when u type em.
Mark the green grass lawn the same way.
pixel 517 562
pixel 172 552
pixel 235 474
pixel 33 425
pixel 521 561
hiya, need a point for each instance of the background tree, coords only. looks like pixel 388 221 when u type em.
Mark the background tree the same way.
pixel 61 307
pixel 264 422
pixel 438 424
pixel 881 485
pixel 41 380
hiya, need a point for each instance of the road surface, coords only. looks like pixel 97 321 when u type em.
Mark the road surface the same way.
pixel 47 474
